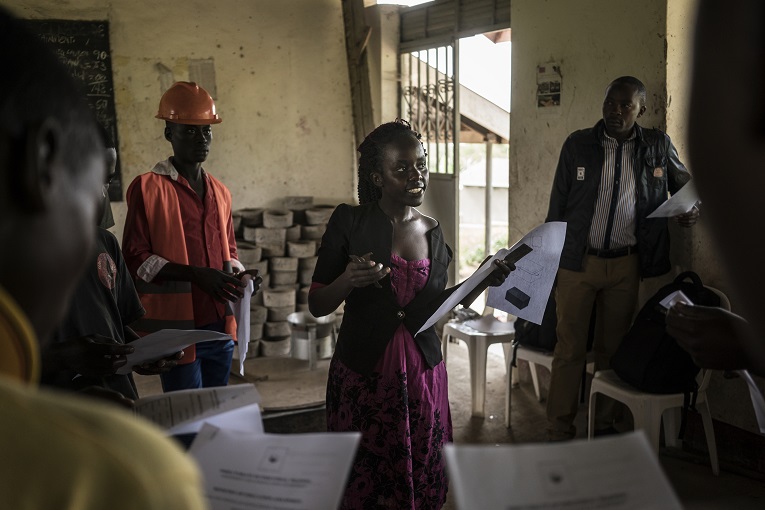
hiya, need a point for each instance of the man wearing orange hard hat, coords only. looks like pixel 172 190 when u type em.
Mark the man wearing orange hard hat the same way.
pixel 179 242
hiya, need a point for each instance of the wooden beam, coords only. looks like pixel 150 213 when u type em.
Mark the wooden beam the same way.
pixel 357 35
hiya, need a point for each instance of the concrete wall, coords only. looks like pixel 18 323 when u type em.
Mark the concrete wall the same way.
pixel 698 246
pixel 594 42
pixel 282 84
pixel 728 397
pixel 383 61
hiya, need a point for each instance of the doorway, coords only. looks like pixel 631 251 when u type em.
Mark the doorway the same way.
pixel 428 100
pixel 457 96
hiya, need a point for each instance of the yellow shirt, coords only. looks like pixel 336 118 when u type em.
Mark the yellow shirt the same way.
pixel 19 354
pixel 60 452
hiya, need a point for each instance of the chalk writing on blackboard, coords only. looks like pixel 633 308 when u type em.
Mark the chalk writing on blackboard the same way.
pixel 83 46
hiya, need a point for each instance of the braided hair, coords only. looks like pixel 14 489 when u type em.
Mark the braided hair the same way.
pixel 371 153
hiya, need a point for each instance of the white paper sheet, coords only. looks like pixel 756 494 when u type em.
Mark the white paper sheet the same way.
pixel 676 297
pixel 615 472
pixel 534 274
pixel 679 203
pixel 467 286
pixel 758 401
pixel 181 412
pixel 270 472
pixel 244 419
pixel 241 309
pixel 164 343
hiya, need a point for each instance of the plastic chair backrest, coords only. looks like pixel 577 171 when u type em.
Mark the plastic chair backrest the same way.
pixel 724 301
pixel 706 375
pixel 498 314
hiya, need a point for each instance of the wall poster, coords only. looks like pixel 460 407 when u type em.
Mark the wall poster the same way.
pixel 548 85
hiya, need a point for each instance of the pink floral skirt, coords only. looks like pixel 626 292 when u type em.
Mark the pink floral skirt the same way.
pixel 402 411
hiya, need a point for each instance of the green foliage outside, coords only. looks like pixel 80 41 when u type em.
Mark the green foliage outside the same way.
pixel 473 256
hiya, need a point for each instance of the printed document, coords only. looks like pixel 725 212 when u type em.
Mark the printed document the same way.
pixel 164 343
pixel 463 290
pixel 182 412
pixel 615 472
pixel 527 289
pixel 273 472
pixel 679 203
pixel 241 309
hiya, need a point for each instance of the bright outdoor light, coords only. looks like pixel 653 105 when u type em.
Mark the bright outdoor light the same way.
pixel 407 3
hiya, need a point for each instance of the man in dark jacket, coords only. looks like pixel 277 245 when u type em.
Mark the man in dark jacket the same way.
pixel 609 179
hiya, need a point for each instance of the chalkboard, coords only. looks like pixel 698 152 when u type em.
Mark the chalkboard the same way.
pixel 83 46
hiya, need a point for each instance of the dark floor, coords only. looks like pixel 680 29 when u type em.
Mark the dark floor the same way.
pixel 287 384
pixel 690 475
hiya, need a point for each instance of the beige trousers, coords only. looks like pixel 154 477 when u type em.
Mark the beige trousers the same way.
pixel 611 285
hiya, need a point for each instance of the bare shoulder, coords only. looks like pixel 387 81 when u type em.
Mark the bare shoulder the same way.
pixel 428 222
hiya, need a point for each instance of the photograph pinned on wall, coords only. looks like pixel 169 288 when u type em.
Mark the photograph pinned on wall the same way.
pixel 548 85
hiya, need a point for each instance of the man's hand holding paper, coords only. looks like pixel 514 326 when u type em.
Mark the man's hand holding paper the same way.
pixel 525 292
pixel 164 343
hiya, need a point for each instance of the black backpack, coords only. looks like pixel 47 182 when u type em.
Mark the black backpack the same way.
pixel 651 360
pixel 541 337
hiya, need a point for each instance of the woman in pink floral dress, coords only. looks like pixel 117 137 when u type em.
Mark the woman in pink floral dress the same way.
pixel 388 262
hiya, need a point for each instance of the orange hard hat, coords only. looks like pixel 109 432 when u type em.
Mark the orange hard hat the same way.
pixel 187 103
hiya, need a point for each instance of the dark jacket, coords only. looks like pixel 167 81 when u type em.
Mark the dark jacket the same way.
pixel 371 314
pixel 658 170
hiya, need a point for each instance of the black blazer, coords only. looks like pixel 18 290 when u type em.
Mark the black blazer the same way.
pixel 372 314
pixel 658 170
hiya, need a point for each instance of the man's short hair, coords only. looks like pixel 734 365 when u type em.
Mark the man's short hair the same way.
pixel 634 82
pixel 35 86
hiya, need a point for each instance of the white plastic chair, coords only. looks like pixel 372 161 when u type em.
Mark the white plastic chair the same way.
pixel 484 331
pixel 533 358
pixel 648 409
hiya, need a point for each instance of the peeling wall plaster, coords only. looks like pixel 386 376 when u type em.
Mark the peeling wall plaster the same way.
pixel 282 81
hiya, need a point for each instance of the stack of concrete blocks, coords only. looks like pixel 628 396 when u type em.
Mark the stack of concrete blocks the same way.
pixel 250 256
pixel 288 240
pixel 313 228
